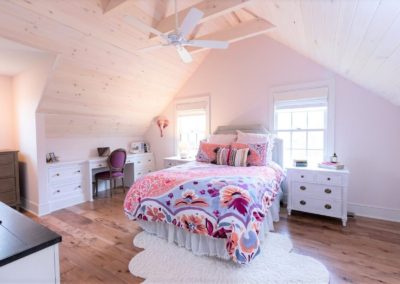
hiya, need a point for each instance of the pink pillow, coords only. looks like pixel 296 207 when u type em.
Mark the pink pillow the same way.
pixel 208 151
pixel 258 153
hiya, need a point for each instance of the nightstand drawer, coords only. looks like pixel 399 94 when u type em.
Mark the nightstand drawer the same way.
pixel 329 179
pixel 302 176
pixel 331 208
pixel 320 191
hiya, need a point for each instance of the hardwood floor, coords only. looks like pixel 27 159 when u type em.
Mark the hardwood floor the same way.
pixel 97 244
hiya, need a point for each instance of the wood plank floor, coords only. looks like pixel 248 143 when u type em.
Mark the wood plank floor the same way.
pixel 97 244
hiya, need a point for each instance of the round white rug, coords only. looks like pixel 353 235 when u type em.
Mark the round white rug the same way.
pixel 167 263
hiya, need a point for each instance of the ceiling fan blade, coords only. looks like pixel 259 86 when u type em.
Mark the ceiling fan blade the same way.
pixel 144 27
pixel 191 20
pixel 208 43
pixel 184 54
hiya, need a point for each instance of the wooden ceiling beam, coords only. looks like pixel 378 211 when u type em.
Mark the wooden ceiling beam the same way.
pixel 236 33
pixel 109 5
pixel 210 8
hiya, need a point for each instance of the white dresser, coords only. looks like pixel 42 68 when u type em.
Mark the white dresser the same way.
pixel 66 184
pixel 174 161
pixel 318 191
pixel 142 164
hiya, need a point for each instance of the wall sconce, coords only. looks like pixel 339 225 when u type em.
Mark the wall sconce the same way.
pixel 162 123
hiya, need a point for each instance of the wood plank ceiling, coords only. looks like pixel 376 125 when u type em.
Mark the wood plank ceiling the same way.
pixel 102 87
pixel 359 39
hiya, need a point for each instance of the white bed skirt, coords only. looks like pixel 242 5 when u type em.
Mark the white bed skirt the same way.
pixel 201 244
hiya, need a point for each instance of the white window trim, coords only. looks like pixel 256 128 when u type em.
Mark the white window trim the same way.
pixel 330 131
pixel 206 100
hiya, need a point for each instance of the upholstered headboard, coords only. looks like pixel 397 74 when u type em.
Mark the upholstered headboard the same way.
pixel 277 152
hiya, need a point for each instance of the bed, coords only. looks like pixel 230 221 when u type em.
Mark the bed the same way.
pixel 213 210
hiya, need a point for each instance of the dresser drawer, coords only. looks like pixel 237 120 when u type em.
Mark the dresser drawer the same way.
pixel 7 184
pixel 329 179
pixel 325 192
pixel 66 189
pixel 9 197
pixel 331 208
pixel 142 172
pixel 144 162
pixel 302 176
pixel 65 174
pixel 7 165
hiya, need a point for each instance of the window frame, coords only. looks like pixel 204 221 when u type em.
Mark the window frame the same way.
pixel 278 91
pixel 190 100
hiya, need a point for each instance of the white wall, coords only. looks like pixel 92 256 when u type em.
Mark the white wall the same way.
pixel 7 140
pixel 367 129
pixel 28 87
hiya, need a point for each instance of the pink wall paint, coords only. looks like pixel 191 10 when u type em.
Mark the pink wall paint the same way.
pixel 83 148
pixel 367 132
pixel 7 134
pixel 28 87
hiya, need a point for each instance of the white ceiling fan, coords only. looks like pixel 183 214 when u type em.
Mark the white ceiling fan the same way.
pixel 178 38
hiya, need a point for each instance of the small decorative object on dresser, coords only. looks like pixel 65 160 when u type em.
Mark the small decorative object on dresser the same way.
pixel 174 161
pixel 318 191
pixel 9 178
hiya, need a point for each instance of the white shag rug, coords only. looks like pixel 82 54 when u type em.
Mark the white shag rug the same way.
pixel 163 262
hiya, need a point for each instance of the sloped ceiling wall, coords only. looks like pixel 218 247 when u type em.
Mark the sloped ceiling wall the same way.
pixel 99 86
pixel 359 39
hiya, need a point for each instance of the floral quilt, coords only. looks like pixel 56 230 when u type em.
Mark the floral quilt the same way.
pixel 214 200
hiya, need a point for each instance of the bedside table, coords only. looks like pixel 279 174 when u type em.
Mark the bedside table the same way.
pixel 319 191
pixel 176 160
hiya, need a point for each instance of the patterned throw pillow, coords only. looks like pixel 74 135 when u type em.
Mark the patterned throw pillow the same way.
pixel 232 157
pixel 208 151
pixel 258 153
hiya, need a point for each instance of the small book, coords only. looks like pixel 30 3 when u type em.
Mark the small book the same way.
pixel 300 163
pixel 330 165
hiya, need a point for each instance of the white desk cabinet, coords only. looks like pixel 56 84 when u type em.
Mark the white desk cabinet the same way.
pixel 318 191
pixel 66 184
pixel 175 161
pixel 142 164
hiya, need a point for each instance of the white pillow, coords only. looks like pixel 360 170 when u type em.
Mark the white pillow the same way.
pixel 256 138
pixel 252 138
pixel 222 138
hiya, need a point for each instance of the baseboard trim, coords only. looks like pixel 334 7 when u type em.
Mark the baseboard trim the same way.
pixel 34 208
pixel 388 214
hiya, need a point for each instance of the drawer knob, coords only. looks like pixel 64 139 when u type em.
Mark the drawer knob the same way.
pixel 328 191
pixel 149 160
pixel 79 186
pixel 57 174
pixel 302 176
pixel 302 187
pixel 328 178
pixel 58 191
pixel 328 206
pixel 302 202
pixel 78 171
pixel 100 165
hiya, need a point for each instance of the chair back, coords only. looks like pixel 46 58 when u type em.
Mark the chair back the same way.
pixel 116 160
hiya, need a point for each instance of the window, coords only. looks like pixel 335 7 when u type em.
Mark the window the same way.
pixel 301 120
pixel 192 124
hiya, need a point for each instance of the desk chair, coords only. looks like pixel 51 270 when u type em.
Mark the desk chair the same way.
pixel 116 164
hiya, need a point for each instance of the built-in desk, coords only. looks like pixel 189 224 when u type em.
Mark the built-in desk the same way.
pixel 28 251
pixel 71 182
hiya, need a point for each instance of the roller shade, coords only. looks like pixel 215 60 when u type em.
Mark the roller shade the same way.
pixel 317 97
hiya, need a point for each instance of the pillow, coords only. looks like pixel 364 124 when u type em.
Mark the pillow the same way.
pixel 257 153
pixel 256 138
pixel 222 138
pixel 208 151
pixel 232 157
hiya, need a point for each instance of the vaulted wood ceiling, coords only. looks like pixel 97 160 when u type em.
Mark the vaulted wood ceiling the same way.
pixel 101 86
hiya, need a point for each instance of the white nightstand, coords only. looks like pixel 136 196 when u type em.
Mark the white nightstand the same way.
pixel 319 191
pixel 176 160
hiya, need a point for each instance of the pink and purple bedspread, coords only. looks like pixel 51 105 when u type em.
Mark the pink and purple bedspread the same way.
pixel 218 201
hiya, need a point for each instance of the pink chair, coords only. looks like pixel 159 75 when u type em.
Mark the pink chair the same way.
pixel 116 164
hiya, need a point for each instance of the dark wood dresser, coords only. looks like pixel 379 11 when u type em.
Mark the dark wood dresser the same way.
pixel 9 178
